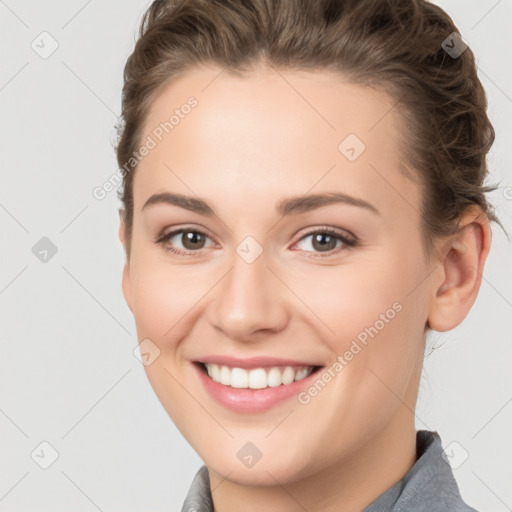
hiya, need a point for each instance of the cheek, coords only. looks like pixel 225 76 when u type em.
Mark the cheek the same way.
pixel 168 299
pixel 376 314
pixel 351 299
pixel 163 308
pixel 162 301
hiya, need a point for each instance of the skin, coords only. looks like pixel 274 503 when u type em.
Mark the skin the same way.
pixel 249 143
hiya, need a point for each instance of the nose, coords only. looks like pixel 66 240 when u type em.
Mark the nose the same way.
pixel 249 303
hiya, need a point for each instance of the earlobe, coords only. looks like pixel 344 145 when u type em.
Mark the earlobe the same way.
pixel 463 263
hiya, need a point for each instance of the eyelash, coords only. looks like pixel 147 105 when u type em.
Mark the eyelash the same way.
pixel 348 242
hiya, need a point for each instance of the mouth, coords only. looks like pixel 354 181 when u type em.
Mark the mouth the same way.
pixel 255 378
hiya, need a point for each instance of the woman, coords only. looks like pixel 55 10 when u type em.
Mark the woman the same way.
pixel 327 158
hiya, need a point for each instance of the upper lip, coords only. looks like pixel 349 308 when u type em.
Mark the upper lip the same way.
pixel 253 362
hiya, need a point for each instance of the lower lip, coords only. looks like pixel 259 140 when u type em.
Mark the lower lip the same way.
pixel 251 400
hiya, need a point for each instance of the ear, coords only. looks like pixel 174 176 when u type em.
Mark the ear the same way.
pixel 463 258
pixel 126 283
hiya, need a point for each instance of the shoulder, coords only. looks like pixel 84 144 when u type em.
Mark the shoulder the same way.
pixel 429 486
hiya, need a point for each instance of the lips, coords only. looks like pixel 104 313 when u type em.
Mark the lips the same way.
pixel 253 384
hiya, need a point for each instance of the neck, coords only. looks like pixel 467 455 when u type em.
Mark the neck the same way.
pixel 350 486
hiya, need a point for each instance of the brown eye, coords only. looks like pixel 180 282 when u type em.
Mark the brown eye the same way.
pixel 326 242
pixel 192 240
pixel 183 241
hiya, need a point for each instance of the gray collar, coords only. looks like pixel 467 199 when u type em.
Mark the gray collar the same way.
pixel 429 486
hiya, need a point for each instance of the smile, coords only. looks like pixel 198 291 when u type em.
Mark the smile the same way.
pixel 256 378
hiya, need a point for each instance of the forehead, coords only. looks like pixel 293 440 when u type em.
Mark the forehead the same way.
pixel 272 130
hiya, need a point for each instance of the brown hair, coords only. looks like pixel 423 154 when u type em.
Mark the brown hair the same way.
pixel 394 45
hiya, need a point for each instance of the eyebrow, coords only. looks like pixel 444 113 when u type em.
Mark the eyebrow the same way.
pixel 287 206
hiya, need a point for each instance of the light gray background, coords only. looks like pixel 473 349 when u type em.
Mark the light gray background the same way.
pixel 67 372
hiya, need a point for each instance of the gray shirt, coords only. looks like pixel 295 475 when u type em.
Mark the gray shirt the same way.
pixel 429 486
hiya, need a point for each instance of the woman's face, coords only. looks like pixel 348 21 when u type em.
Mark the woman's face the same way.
pixel 260 285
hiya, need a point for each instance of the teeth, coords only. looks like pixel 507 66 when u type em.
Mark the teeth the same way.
pixel 274 377
pixel 288 375
pixel 239 378
pixel 257 378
